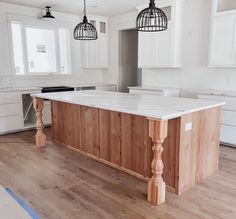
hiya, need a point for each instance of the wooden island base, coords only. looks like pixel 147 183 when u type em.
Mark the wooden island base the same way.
pixel 135 144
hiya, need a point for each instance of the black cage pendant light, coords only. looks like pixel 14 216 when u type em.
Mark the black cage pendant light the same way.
pixel 152 19
pixel 85 30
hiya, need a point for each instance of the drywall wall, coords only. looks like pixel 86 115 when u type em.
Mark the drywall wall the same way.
pixel 195 74
pixel 129 60
pixel 79 75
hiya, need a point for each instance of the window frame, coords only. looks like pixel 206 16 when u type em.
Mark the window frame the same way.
pixel 29 22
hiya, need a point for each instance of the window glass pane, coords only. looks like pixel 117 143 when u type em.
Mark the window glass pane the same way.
pixel 41 50
pixel 102 27
pixel 64 44
pixel 17 48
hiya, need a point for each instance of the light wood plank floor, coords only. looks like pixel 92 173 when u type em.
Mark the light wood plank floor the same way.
pixel 60 183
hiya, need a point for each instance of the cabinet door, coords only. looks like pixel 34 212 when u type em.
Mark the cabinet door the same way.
pixel 164 50
pixel 11 123
pixel 156 49
pixel 84 54
pixel 89 55
pixel 223 42
pixel 102 45
pixel 92 54
pixel 102 51
pixel 147 49
pixel 95 52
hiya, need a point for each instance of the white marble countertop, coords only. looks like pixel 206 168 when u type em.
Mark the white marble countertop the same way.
pixel 153 88
pixel 16 89
pixel 226 93
pixel 90 85
pixel 155 107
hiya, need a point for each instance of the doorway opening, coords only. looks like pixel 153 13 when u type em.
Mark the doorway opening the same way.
pixel 130 75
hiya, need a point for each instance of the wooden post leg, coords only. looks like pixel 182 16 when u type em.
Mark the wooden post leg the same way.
pixel 157 187
pixel 40 137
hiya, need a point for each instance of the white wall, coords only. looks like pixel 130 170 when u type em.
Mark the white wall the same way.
pixel 78 75
pixel 195 74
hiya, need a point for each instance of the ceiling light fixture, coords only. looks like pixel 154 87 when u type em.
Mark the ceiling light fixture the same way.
pixel 152 19
pixel 48 16
pixel 85 30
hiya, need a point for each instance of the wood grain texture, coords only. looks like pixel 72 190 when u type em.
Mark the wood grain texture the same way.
pixel 170 155
pixel 65 120
pixel 110 136
pixel 89 130
pixel 122 141
pixel 199 147
pixel 135 143
pixel 158 131
pixel 71 185
pixel 40 137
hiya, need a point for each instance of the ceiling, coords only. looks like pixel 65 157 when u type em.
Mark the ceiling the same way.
pixel 100 7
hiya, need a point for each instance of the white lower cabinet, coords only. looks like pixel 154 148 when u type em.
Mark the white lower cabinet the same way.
pixel 10 109
pixel 228 115
pixel 228 134
pixel 228 118
pixel 11 123
pixel 106 87
pixel 157 91
pixel 11 118
pixel 17 112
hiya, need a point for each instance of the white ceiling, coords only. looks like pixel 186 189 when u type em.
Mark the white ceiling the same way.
pixel 100 7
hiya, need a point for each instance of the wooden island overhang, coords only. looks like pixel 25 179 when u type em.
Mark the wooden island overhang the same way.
pixel 169 142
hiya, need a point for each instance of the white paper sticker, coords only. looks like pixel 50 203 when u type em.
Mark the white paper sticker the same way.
pixel 188 126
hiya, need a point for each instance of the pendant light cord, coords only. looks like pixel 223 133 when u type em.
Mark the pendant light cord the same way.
pixel 84 7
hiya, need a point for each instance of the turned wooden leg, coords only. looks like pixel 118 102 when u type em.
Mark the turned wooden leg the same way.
pixel 40 137
pixel 156 186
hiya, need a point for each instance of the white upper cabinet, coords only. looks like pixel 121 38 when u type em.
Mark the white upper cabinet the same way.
pixel 147 54
pixel 95 52
pixel 223 34
pixel 163 49
pixel 223 42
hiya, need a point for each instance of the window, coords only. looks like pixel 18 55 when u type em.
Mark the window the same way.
pixel 39 50
pixel 17 49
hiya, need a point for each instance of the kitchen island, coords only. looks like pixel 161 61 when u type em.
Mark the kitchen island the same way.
pixel 163 140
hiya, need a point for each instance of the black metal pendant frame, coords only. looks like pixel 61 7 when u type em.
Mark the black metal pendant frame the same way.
pixel 48 14
pixel 85 30
pixel 152 19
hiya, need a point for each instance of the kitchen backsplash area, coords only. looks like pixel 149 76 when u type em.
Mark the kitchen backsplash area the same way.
pixel 5 81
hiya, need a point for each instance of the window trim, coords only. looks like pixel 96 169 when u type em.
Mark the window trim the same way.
pixel 35 23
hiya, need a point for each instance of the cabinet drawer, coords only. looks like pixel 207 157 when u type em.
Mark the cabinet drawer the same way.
pixel 228 117
pixel 106 88
pixel 228 134
pixel 158 93
pixel 10 98
pixel 10 123
pixel 230 101
pixel 10 109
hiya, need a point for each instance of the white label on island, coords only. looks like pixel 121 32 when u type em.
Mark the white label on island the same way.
pixel 188 126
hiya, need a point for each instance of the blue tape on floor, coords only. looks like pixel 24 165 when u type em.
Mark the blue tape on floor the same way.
pixel 29 210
